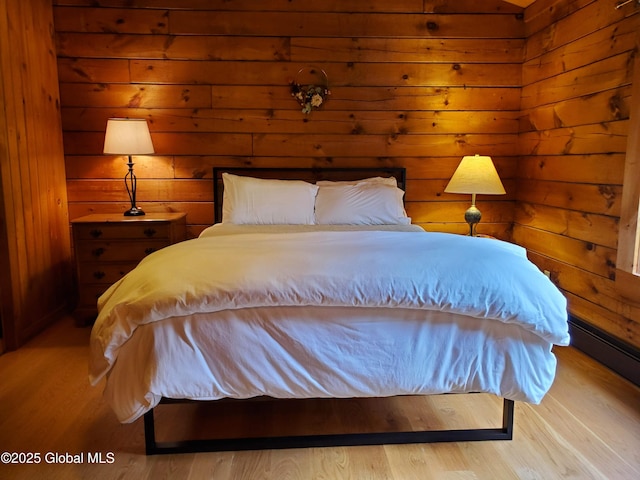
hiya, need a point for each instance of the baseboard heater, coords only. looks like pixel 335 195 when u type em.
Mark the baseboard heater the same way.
pixel 621 357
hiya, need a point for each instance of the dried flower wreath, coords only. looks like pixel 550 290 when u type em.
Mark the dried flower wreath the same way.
pixel 310 96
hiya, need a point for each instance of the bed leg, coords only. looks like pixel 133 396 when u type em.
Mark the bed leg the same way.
pixel 508 408
pixel 150 433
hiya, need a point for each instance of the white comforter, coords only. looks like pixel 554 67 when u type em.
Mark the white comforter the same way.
pixel 426 275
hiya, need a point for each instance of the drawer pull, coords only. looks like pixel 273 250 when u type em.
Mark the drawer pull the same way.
pixel 95 233
pixel 97 252
pixel 149 250
pixel 98 275
pixel 149 232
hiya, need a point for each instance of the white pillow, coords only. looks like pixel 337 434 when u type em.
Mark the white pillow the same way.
pixel 257 201
pixel 363 203
pixel 391 181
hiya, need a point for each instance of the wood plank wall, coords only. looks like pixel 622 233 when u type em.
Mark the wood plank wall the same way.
pixel 414 83
pixel 35 263
pixel 577 77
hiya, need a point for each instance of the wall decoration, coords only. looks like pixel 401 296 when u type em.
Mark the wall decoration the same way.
pixel 310 88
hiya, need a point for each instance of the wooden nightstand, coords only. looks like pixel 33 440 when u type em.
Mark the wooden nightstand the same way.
pixel 107 246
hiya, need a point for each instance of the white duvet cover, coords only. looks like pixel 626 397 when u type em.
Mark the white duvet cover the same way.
pixel 327 314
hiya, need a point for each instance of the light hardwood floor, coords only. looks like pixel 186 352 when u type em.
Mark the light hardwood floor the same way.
pixel 588 426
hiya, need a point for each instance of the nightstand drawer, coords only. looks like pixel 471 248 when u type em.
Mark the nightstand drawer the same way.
pixel 123 231
pixel 118 251
pixel 88 297
pixel 104 273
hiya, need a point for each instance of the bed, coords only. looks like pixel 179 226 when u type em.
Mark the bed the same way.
pixel 315 284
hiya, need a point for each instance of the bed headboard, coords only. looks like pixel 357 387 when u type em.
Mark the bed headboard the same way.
pixel 307 174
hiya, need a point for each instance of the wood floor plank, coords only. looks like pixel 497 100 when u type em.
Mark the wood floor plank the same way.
pixel 588 426
pixel 584 390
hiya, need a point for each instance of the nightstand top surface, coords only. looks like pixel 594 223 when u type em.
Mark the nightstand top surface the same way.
pixel 120 218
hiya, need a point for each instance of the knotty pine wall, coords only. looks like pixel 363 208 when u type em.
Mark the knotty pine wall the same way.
pixel 576 102
pixel 414 84
pixel 544 91
pixel 35 257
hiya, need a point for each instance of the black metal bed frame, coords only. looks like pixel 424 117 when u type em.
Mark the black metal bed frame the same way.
pixel 153 447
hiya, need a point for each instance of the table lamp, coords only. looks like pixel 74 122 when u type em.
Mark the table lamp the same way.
pixel 475 175
pixel 128 136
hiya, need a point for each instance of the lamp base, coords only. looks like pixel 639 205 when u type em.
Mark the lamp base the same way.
pixel 472 216
pixel 134 212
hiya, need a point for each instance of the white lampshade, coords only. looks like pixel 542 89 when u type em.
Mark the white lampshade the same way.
pixel 127 136
pixel 475 174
